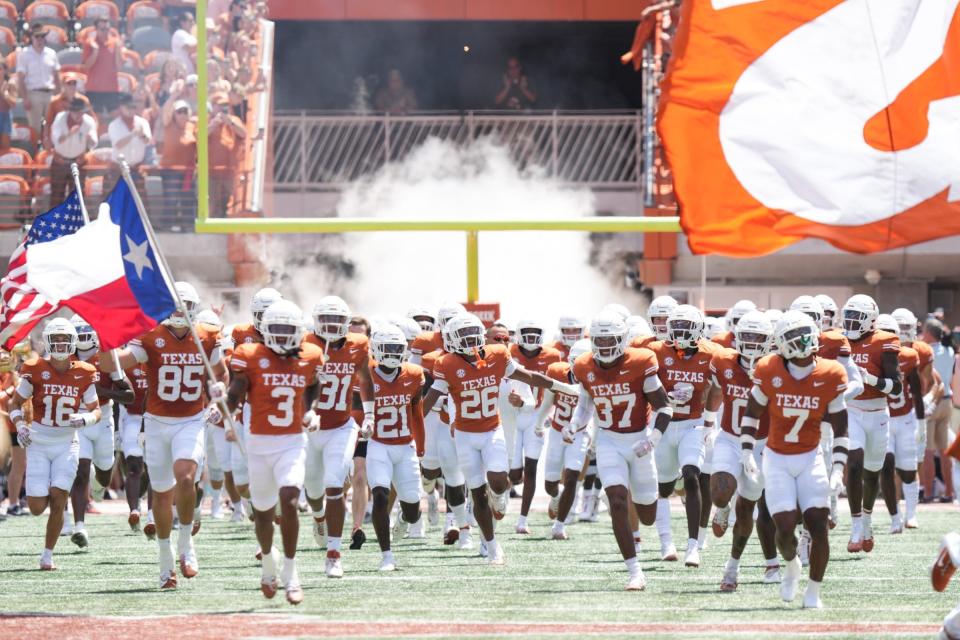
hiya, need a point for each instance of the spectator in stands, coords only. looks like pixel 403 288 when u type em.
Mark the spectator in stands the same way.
pixel 145 105
pixel 62 102
pixel 938 425
pixel 102 60
pixel 179 159
pixel 38 72
pixel 170 73
pixel 515 93
pixel 230 22
pixel 184 42
pixel 227 136
pixel 395 97
pixel 215 80
pixel 74 133
pixel 8 100
pixel 130 137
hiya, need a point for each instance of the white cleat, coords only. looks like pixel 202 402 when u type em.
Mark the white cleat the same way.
pixel 771 574
pixel 320 533
pixel 692 557
pixel 637 582
pixel 433 511
pixel 498 503
pixel 721 520
pixel 790 581
pixel 523 529
pixel 912 523
pixel 896 525
pixel 496 557
pixel 484 551
pixel 803 548
pixel 387 564
pixel 415 531
pixel 668 552
pixel 812 600
pixel 730 580
pixel 188 564
pixel 238 514
pixel 80 538
pixel 466 539
pixel 334 568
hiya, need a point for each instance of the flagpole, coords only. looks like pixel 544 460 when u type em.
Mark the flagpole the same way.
pixel 168 279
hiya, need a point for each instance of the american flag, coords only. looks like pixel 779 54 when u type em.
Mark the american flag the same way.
pixel 23 306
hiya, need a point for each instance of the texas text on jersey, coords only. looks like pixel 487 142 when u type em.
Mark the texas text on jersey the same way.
pixel 277 385
pixel 55 395
pixel 338 376
pixel 398 420
pixel 563 403
pixel 678 369
pixel 735 384
pixel 474 386
pixel 618 392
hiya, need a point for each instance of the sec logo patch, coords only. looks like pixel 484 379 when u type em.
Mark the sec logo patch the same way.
pixel 45 375
pixel 248 340
pixel 264 363
pixel 668 361
pixel 161 343
pixel 728 374
pixel 591 377
pixel 461 373
pixel 777 382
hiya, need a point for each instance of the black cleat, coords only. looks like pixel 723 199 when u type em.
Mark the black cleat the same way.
pixel 357 539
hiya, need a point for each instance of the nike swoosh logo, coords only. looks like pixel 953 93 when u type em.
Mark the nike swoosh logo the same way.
pixel 302 364
pixel 819 384
pixel 78 377
pixel 623 373
pixel 407 384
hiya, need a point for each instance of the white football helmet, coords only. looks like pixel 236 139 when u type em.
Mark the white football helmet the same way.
pixel 447 311
pixel 637 326
pixel 530 334
pixel 388 346
pixel 657 314
pixel 810 306
pixel 209 316
pixel 773 315
pixel 572 329
pixel 87 339
pixel 410 328
pixel 282 327
pixel 796 335
pixel 685 327
pixel 445 337
pixel 191 300
pixel 60 339
pixel 466 333
pixel 424 317
pixel 859 314
pixel 618 309
pixel 753 336
pixel 712 327
pixel 608 337
pixel 906 323
pixel 829 310
pixel 737 311
pixel 886 322
pixel 331 318
pixel 577 349
pixel 261 302
pixel 509 326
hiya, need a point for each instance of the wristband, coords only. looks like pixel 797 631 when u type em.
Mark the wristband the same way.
pixel 843 442
pixel 747 421
pixel 368 407
pixel 16 415
pixel 839 457
pixel 667 411
pixel 887 386
pixel 710 416
pixel 747 441
pixel 870 379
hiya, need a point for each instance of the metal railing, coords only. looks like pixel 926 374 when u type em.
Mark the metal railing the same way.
pixel 327 151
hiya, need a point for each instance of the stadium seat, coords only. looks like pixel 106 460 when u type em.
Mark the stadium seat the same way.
pixel 94 9
pixel 146 39
pixel 50 12
pixel 14 199
pixel 128 83
pixel 9 15
pixel 93 188
pixel 43 159
pixel 70 56
pixel 144 13
pixel 15 161
pixel 154 61
pixel 131 62
pixel 57 38
pixel 8 41
pixel 23 137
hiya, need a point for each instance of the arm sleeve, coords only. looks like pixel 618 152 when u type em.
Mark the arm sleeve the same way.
pixel 545 406
pixel 510 368
pixel 838 404
pixel 441 386
pixel 25 388
pixel 584 411
pixel 90 395
pixel 415 358
pixel 651 384
pixel 138 351
pixel 759 395
pixel 216 354
pixel 854 379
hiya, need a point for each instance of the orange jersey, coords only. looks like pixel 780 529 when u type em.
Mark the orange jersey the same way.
pixel 537 363
pixel 734 383
pixel 867 353
pixel 340 370
pixel 642 342
pixel 902 403
pixel 428 362
pixel 426 342
pixel 563 403
pixel 797 407
pixel 562 348
pixel 277 386
pixel 678 369
pixel 724 339
pixel 245 334
pixel 138 380
pixel 474 386
pixel 398 419
pixel 56 395
pixel 617 392
pixel 175 374
pixel 924 352
pixel 833 344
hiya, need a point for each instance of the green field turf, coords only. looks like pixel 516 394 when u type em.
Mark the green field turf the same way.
pixel 576 582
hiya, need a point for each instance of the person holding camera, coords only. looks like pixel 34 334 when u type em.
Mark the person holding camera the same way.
pixel 515 94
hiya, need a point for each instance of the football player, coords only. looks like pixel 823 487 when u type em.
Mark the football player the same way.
pixel 566 449
pixel 831 318
pixel 798 391
pixel 530 353
pixel 131 428
pixel 618 388
pixel 278 379
pixel 907 417
pixel 423 317
pixel 472 376
pixel 657 314
pixel 737 311
pixel 96 441
pixel 433 340
pixel 173 421
pixel 684 371
pixel 876 353
pixel 397 436
pixel 56 396
pixel 331 447
pixel 572 329
pixel 730 374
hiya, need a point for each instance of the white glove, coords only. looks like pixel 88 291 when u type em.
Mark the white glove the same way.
pixel 868 378
pixel 680 394
pixel 217 392
pixel 568 433
pixel 311 421
pixel 541 428
pixel 80 420
pixel 750 468
pixel 929 406
pixel 922 433
pixel 366 429
pixel 648 444
pixel 23 434
pixel 212 415
pixel 836 477
pixel 563 387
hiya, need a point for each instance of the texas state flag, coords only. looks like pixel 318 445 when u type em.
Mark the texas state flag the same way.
pixel 106 271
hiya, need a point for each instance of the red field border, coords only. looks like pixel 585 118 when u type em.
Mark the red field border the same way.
pixel 224 627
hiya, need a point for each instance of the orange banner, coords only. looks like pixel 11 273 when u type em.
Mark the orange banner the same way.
pixel 486 311
pixel 829 119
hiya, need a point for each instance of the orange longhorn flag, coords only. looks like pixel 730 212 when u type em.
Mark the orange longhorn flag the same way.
pixel 831 119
